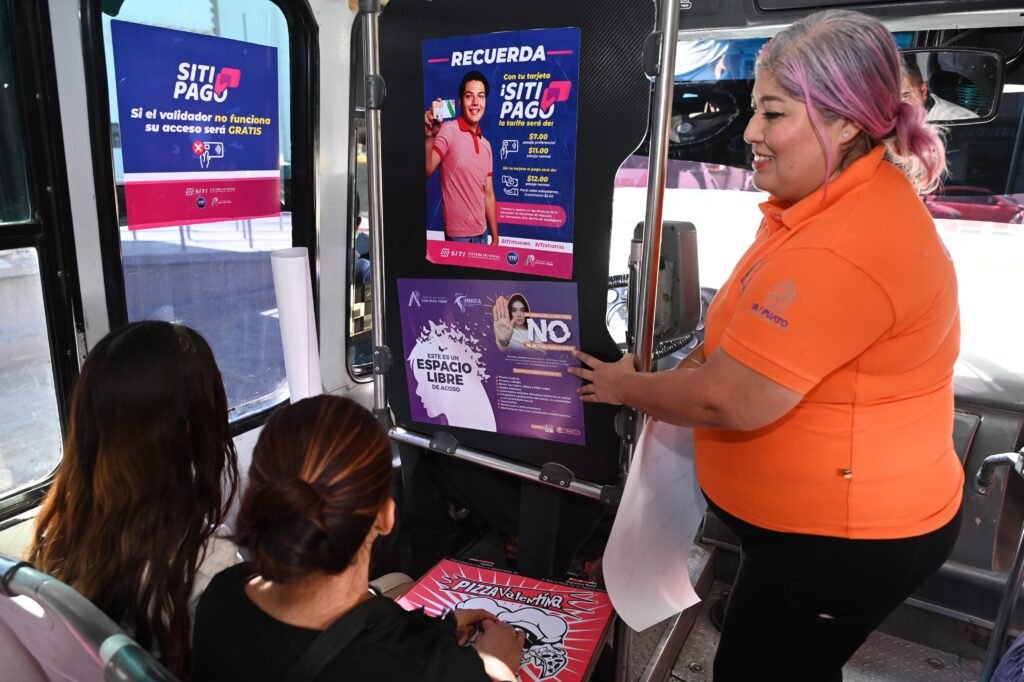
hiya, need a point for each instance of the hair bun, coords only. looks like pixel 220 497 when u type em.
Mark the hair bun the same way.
pixel 283 528
pixel 294 528
pixel 288 500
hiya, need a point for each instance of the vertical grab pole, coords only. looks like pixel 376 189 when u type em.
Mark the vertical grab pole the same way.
pixel 369 11
pixel 643 305
pixel 657 171
pixel 643 308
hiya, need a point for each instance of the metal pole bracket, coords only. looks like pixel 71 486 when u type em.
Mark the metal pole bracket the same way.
pixel 381 360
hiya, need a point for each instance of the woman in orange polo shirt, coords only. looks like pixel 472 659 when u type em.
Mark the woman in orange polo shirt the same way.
pixel 823 414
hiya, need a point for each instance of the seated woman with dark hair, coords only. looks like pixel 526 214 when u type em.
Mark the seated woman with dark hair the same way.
pixel 318 496
pixel 148 472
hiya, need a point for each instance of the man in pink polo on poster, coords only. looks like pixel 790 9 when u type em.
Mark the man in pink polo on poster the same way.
pixel 464 155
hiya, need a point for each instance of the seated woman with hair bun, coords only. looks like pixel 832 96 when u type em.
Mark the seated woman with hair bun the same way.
pixel 318 496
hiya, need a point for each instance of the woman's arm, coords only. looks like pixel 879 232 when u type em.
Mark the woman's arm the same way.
pixel 721 393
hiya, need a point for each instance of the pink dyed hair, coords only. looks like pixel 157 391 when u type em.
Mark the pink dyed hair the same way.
pixel 845 64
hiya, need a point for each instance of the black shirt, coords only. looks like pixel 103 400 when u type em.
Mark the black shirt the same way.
pixel 234 639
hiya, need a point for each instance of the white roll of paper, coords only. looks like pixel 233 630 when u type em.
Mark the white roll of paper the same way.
pixel 294 292
pixel 646 559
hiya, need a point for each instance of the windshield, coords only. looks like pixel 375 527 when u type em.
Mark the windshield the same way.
pixel 978 212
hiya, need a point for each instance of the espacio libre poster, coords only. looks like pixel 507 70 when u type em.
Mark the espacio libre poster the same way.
pixel 199 130
pixel 492 355
pixel 500 114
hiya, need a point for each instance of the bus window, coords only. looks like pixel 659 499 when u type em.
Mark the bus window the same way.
pixel 360 341
pixel 718 199
pixel 979 210
pixel 30 436
pixel 14 201
pixel 30 431
pixel 214 276
pixel 710 110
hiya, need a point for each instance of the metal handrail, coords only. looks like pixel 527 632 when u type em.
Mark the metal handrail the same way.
pixel 488 461
pixel 983 481
pixel 643 308
pixel 369 12
pixel 668 21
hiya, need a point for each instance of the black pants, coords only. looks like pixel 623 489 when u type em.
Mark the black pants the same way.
pixel 803 604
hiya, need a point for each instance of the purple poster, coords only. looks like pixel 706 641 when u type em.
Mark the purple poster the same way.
pixel 492 355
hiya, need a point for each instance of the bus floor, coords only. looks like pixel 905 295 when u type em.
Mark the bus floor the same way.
pixel 883 658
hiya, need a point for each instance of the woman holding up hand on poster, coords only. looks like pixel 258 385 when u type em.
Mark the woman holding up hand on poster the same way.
pixel 510 322
pixel 824 409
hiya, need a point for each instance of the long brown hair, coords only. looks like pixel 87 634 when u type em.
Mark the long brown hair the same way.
pixel 148 471
pixel 321 471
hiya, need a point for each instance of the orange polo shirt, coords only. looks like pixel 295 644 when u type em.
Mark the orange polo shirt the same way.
pixel 849 297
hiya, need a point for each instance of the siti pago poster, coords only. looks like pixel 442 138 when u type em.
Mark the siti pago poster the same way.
pixel 199 129
pixel 564 623
pixel 493 355
pixel 500 125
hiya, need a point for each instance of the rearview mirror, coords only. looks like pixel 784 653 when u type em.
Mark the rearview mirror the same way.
pixel 956 85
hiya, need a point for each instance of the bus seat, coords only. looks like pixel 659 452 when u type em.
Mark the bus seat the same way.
pixel 19 663
pixel 51 633
pixel 392 585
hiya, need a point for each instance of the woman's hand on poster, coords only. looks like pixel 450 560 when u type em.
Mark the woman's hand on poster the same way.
pixel 431 124
pixel 605 378
pixel 468 623
pixel 502 323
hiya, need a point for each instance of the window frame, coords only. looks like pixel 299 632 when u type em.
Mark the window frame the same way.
pixel 300 190
pixel 363 373
pixel 49 229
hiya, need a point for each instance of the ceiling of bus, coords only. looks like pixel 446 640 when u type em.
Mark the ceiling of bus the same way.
pixel 728 18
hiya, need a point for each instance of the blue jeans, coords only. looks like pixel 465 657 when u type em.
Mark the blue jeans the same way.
pixel 484 238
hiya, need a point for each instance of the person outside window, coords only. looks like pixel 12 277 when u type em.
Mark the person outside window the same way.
pixel 914 89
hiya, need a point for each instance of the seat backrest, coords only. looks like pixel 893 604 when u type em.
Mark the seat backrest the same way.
pixel 49 632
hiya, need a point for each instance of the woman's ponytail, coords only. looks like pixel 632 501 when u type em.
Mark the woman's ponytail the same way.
pixel 917 147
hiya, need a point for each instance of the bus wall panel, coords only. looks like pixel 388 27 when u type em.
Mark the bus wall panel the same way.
pixel 613 113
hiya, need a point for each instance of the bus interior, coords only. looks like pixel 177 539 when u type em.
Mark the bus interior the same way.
pixel 659 158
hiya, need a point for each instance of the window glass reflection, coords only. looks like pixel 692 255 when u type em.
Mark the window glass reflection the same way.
pixel 30 436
